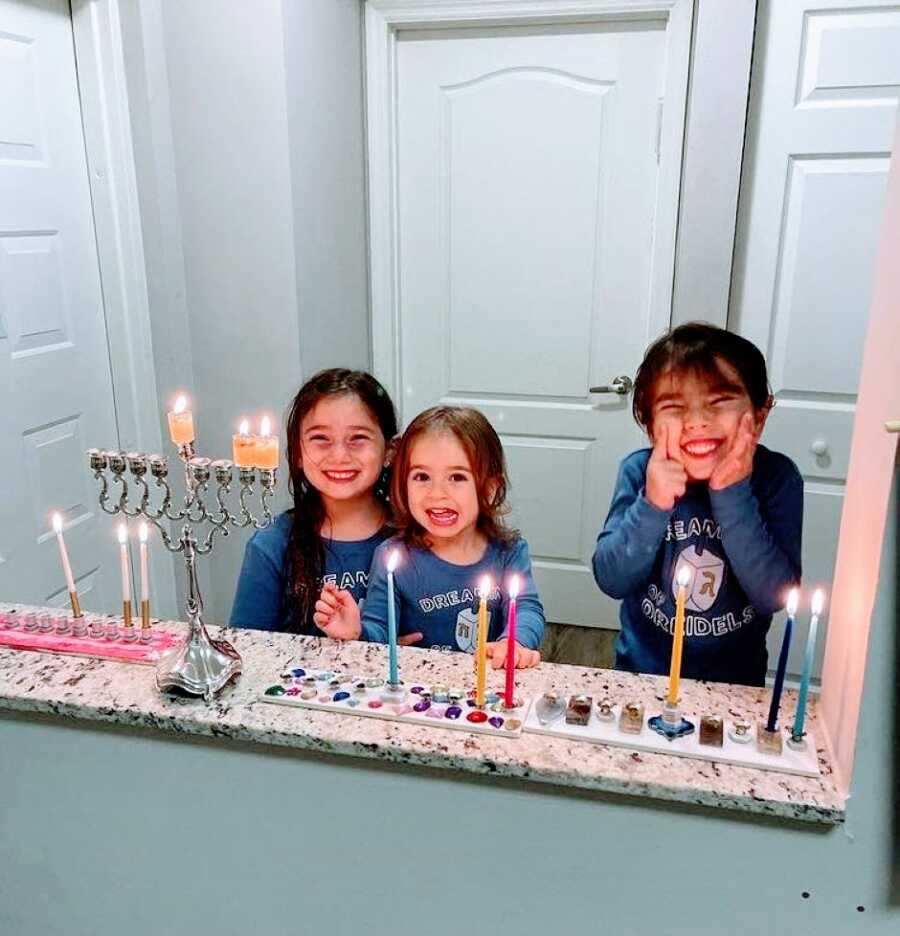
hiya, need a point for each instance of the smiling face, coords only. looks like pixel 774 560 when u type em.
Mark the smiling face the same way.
pixel 441 489
pixel 703 414
pixel 342 449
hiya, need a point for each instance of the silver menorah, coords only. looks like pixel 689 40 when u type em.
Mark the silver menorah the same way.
pixel 201 665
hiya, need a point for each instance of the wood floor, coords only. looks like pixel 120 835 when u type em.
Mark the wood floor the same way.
pixel 583 646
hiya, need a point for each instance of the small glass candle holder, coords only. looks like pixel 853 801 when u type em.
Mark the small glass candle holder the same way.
pixel 741 731
pixel 4 623
pixel 13 618
pixel 393 693
pixel 768 742
pixel 96 626
pixel 79 626
pixel 29 619
pixel 712 730
pixel 46 624
pixel 631 720
pixel 606 711
pixel 578 711
pixel 63 623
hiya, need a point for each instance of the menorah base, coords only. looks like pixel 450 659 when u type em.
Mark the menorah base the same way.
pixel 200 666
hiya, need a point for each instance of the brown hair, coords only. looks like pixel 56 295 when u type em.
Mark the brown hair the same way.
pixel 305 552
pixel 484 450
pixel 697 348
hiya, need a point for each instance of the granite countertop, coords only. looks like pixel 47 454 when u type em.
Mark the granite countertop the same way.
pixel 125 694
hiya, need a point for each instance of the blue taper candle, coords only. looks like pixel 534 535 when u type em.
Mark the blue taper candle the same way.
pixel 818 602
pixel 393 674
pixel 772 723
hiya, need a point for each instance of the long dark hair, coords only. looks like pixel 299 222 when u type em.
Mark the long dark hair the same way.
pixel 484 450
pixel 305 552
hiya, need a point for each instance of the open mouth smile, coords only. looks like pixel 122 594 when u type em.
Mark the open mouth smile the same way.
pixel 341 477
pixel 701 448
pixel 442 517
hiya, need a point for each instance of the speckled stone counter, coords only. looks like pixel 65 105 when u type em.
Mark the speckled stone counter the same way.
pixel 125 694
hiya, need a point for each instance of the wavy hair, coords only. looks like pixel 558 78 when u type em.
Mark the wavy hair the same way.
pixel 484 450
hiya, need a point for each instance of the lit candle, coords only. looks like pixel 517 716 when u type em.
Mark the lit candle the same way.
pixel 511 642
pixel 243 446
pixel 266 455
pixel 683 577
pixel 393 674
pixel 67 568
pixel 818 602
pixel 481 644
pixel 181 422
pixel 126 577
pixel 793 598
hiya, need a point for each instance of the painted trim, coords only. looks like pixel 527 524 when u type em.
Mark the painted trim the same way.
pixel 100 64
pixel 384 19
pixel 713 158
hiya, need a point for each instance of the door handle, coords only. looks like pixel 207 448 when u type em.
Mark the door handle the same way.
pixel 620 385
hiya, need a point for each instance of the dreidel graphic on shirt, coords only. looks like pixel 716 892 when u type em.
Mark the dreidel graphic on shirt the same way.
pixel 707 573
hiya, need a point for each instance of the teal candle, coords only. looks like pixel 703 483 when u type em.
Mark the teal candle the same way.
pixel 818 602
pixel 772 723
pixel 393 673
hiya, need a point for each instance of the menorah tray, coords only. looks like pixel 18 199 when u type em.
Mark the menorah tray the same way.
pixel 597 731
pixel 124 651
pixel 421 705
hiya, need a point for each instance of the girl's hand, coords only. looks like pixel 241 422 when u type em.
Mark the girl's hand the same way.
pixel 404 640
pixel 337 614
pixel 738 463
pixel 525 658
pixel 666 477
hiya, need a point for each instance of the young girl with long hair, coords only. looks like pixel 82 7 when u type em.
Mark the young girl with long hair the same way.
pixel 339 436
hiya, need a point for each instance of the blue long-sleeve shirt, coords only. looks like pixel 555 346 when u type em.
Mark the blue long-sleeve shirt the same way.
pixel 262 601
pixel 440 599
pixel 742 545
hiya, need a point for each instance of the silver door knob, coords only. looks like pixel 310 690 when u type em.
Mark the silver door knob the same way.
pixel 620 385
pixel 819 447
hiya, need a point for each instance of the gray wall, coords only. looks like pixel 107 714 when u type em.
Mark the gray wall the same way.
pixel 323 60
pixel 249 147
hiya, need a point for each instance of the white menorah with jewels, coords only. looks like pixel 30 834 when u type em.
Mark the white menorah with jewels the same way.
pixel 199 666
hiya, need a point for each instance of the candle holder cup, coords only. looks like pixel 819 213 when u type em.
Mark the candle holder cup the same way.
pixel 671 724
pixel 200 666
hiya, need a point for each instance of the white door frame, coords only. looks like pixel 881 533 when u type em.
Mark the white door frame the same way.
pixel 100 64
pixel 715 125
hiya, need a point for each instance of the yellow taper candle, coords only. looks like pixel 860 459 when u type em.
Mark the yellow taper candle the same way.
pixel 481 645
pixel 682 578
pixel 181 422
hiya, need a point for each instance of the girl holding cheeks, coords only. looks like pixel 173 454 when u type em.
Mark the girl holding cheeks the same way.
pixel 449 496
pixel 339 438
pixel 707 496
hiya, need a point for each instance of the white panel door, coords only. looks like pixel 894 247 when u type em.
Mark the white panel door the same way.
pixel 533 261
pixel 55 386
pixel 820 128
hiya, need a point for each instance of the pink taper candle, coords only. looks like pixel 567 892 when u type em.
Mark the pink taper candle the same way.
pixel 511 642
